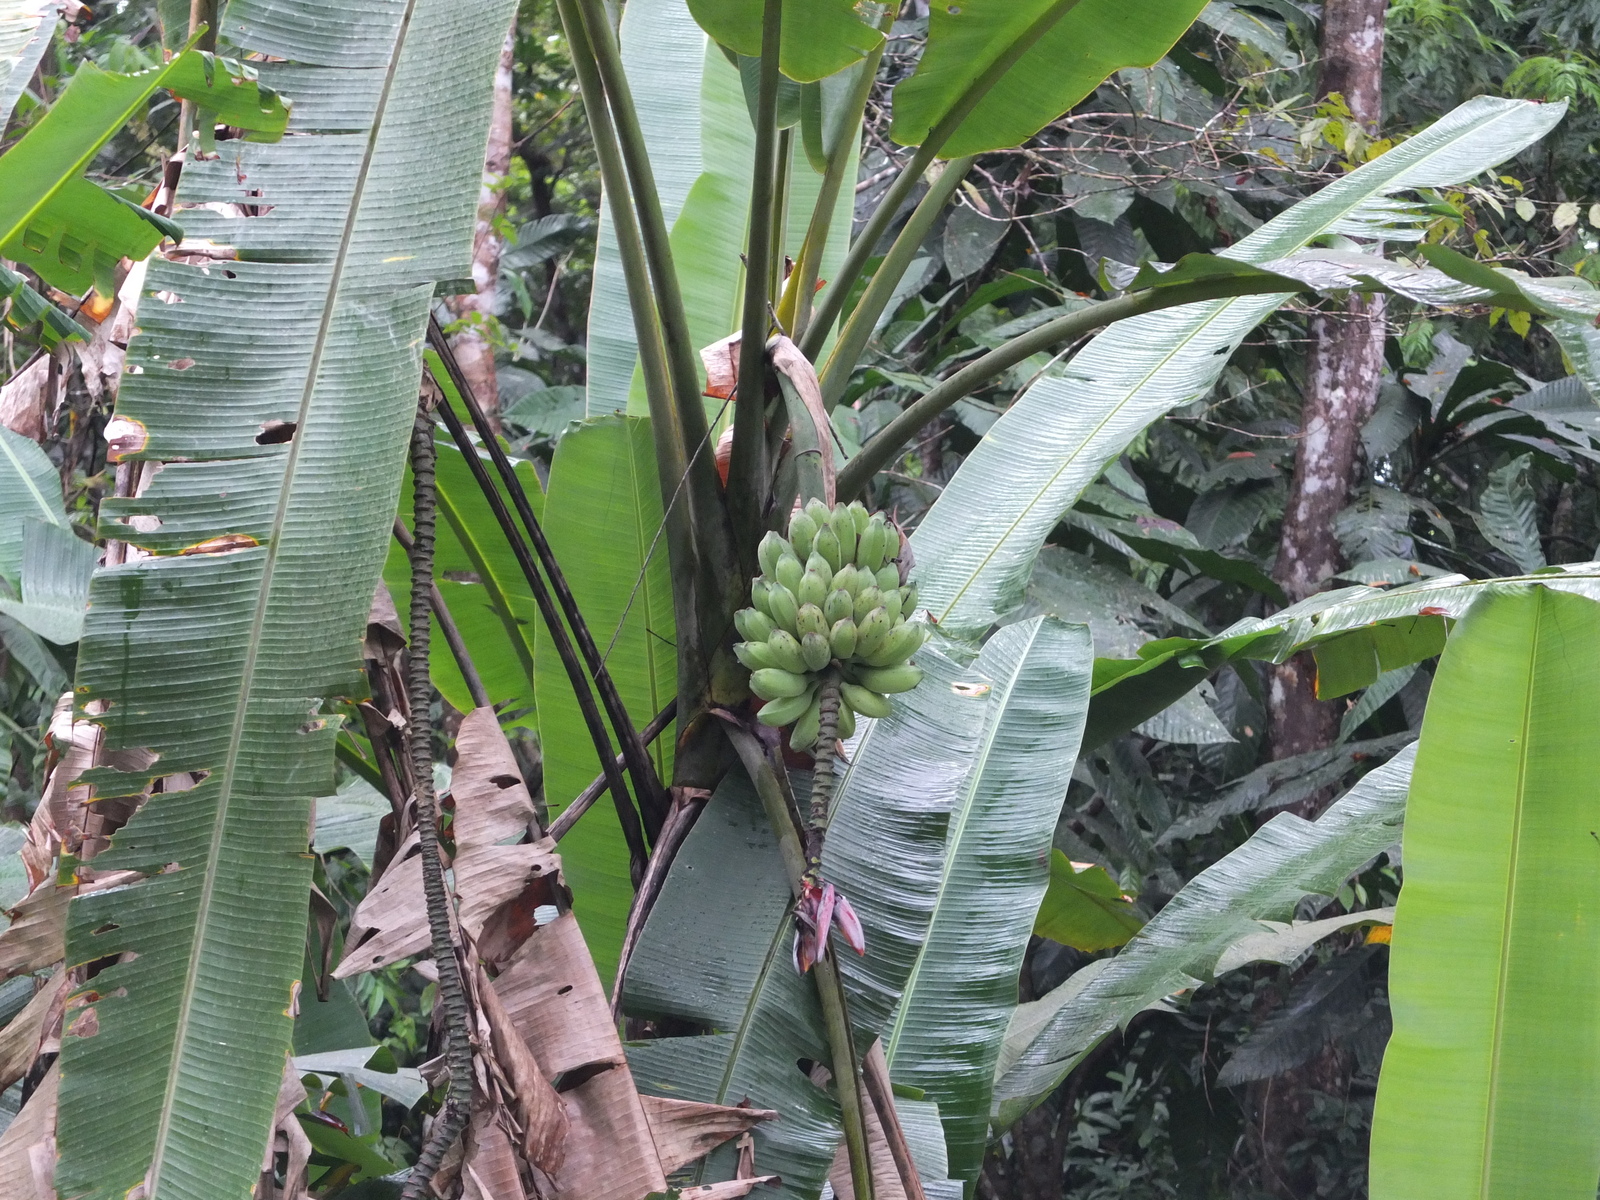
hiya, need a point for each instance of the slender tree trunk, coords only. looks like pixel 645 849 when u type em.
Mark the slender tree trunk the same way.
pixel 1342 374
pixel 474 352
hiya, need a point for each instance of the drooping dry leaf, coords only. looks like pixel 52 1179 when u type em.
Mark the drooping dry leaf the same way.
pixel 886 1183
pixel 492 802
pixel 539 1110
pixel 685 1130
pixel 289 1139
pixel 22 399
pixel 28 1146
pixel 36 935
pixel 797 368
pixel 19 1040
pixel 489 1162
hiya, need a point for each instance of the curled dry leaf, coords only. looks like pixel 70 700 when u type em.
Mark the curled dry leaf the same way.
pixel 730 1190
pixel 721 361
pixel 22 399
pixel 539 1111
pixel 20 1039
pixel 288 1139
pixel 685 1130
pixel 36 937
pixel 489 1169
pixel 795 370
pixel 28 1146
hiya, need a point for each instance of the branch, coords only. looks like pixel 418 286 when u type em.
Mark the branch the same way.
pixel 563 824
pixel 653 802
pixel 881 450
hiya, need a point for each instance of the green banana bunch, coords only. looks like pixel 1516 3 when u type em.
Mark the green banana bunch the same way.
pixel 832 595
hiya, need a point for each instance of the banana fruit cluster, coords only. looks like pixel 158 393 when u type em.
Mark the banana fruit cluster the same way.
pixel 829 596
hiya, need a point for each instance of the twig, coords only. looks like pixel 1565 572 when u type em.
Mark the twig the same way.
pixel 559 637
pixel 452 1118
pixel 652 797
pixel 586 798
pixel 447 626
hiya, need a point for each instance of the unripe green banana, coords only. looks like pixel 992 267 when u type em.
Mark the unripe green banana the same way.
pixel 871 632
pixel 816 650
pixel 789 572
pixel 820 565
pixel 842 637
pixel 782 607
pixel 844 528
pixel 755 655
pixel 827 545
pixel 864 700
pixel 891 605
pixel 802 529
pixel 897 647
pixel 838 606
pixel 847 722
pixel 761 597
pixel 785 652
pixel 845 577
pixel 772 548
pixel 888 576
pixel 780 712
pixel 892 679
pixel 869 547
pixel 809 619
pixel 753 624
pixel 908 599
pixel 867 599
pixel 859 514
pixel 774 683
pixel 804 734
pixel 818 512
pixel 813 589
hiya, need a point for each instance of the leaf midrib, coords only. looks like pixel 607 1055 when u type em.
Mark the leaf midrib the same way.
pixel 258 620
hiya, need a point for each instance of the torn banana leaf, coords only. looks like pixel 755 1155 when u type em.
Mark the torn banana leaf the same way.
pixel 225 661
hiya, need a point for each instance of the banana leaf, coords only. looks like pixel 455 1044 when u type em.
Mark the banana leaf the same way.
pixel 1491 1082
pixel 976 547
pixel 1067 49
pixel 602 518
pixel 226 661
pixel 972 888
pixel 30 491
pixel 1185 945
pixel 25 29
pixel 819 37
pixel 56 565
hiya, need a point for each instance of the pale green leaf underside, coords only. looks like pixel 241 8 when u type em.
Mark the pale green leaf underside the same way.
pixel 219 663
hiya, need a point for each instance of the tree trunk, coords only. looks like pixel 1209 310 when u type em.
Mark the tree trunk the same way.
pixel 473 350
pixel 1342 374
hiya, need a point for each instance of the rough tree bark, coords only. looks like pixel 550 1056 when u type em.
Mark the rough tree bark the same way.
pixel 473 351
pixel 1342 375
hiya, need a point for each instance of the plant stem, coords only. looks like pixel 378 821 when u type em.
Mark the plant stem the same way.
pixel 452 1118
pixel 880 451
pixel 747 482
pixel 601 783
pixel 830 989
pixel 689 573
pixel 690 429
pixel 559 638
pixel 447 626
pixel 889 207
pixel 823 780
pixel 835 374
pixel 653 803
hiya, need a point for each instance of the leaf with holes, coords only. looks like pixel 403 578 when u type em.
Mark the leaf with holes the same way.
pixel 225 661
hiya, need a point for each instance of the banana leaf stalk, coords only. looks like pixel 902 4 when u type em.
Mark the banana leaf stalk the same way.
pixel 562 642
pixel 647 785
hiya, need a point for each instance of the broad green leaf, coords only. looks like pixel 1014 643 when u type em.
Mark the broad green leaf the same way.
pixel 717 952
pixel 1068 47
pixel 980 881
pixel 681 81
pixel 30 490
pixel 1181 947
pixel 1084 907
pixel 25 29
pixel 1508 514
pixel 975 548
pixel 226 662
pixel 603 518
pixel 348 819
pixel 819 38
pixel 1491 1082
pixel 404 1085
pixel 56 565
pixel 71 231
pixel 27 306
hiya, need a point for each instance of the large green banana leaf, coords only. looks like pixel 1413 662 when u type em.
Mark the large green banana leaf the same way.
pixel 603 518
pixel 976 547
pixel 819 37
pixel 682 81
pixel 1067 48
pixel 225 662
pixel 964 893
pixel 73 232
pixel 25 29
pixel 1182 946
pixel 1491 1083
pixel 30 490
